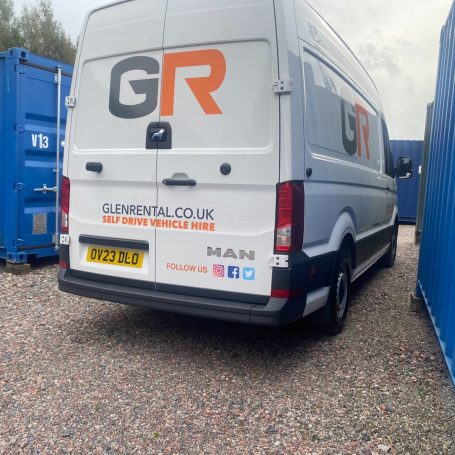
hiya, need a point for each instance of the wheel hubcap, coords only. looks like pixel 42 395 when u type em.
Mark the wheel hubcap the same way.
pixel 342 293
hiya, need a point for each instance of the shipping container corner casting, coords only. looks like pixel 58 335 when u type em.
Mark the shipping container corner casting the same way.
pixel 32 117
pixel 436 265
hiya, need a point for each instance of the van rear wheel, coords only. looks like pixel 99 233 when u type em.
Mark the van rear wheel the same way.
pixel 388 260
pixel 335 311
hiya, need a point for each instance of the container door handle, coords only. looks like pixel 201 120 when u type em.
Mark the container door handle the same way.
pixel 94 167
pixel 44 189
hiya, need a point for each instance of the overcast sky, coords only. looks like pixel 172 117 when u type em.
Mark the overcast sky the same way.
pixel 397 41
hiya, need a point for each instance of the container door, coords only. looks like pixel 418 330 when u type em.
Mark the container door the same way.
pixel 389 179
pixel 37 146
pixel 112 166
pixel 408 189
pixel 217 177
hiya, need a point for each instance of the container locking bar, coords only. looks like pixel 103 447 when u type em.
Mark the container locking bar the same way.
pixel 58 81
pixel 44 189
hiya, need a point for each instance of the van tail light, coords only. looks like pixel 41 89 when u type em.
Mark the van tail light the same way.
pixel 65 205
pixel 287 293
pixel 289 217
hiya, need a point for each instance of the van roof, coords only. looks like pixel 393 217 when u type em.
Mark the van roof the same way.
pixel 321 38
pixel 345 45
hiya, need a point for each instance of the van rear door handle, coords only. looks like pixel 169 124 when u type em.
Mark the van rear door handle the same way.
pixel 179 182
pixel 387 189
pixel 94 167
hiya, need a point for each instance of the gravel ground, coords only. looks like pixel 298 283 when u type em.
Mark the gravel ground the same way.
pixel 83 376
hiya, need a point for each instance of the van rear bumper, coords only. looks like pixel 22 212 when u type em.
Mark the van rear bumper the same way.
pixel 275 312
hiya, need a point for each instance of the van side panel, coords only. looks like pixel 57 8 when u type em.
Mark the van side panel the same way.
pixel 347 186
pixel 343 150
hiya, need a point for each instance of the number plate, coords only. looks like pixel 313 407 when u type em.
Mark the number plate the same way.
pixel 115 256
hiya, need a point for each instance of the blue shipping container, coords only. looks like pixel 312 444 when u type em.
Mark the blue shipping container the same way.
pixel 408 189
pixel 436 274
pixel 32 91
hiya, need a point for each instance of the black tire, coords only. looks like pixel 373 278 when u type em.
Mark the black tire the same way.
pixel 388 260
pixel 333 315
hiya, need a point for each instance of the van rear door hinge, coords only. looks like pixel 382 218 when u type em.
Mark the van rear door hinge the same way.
pixel 70 102
pixel 18 186
pixel 19 128
pixel 283 86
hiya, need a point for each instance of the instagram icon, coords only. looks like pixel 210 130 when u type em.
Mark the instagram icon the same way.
pixel 218 271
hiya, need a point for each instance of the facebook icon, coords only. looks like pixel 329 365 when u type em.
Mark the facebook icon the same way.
pixel 234 272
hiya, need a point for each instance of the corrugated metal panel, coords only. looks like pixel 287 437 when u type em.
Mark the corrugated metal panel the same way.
pixel 423 178
pixel 408 189
pixel 436 273
pixel 28 146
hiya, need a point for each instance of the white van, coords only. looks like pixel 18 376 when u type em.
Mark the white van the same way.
pixel 226 159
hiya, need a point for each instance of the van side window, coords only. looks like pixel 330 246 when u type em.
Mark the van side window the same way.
pixel 341 123
pixel 389 164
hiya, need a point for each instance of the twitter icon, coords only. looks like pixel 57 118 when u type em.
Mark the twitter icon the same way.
pixel 249 274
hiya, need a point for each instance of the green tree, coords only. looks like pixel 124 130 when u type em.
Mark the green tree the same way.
pixel 41 33
pixel 9 27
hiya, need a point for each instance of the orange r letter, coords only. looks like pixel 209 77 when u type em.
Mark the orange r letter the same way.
pixel 361 111
pixel 200 86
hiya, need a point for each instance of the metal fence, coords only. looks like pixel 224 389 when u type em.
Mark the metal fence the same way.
pixel 436 274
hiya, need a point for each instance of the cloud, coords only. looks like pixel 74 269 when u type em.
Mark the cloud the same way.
pixel 398 43
pixel 379 58
pixel 408 85
pixel 386 59
pixel 386 55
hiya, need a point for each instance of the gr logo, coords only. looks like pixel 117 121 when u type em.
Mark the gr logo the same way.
pixel 202 87
pixel 355 126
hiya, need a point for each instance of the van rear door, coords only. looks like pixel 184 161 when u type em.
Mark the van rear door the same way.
pixel 217 175
pixel 112 173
